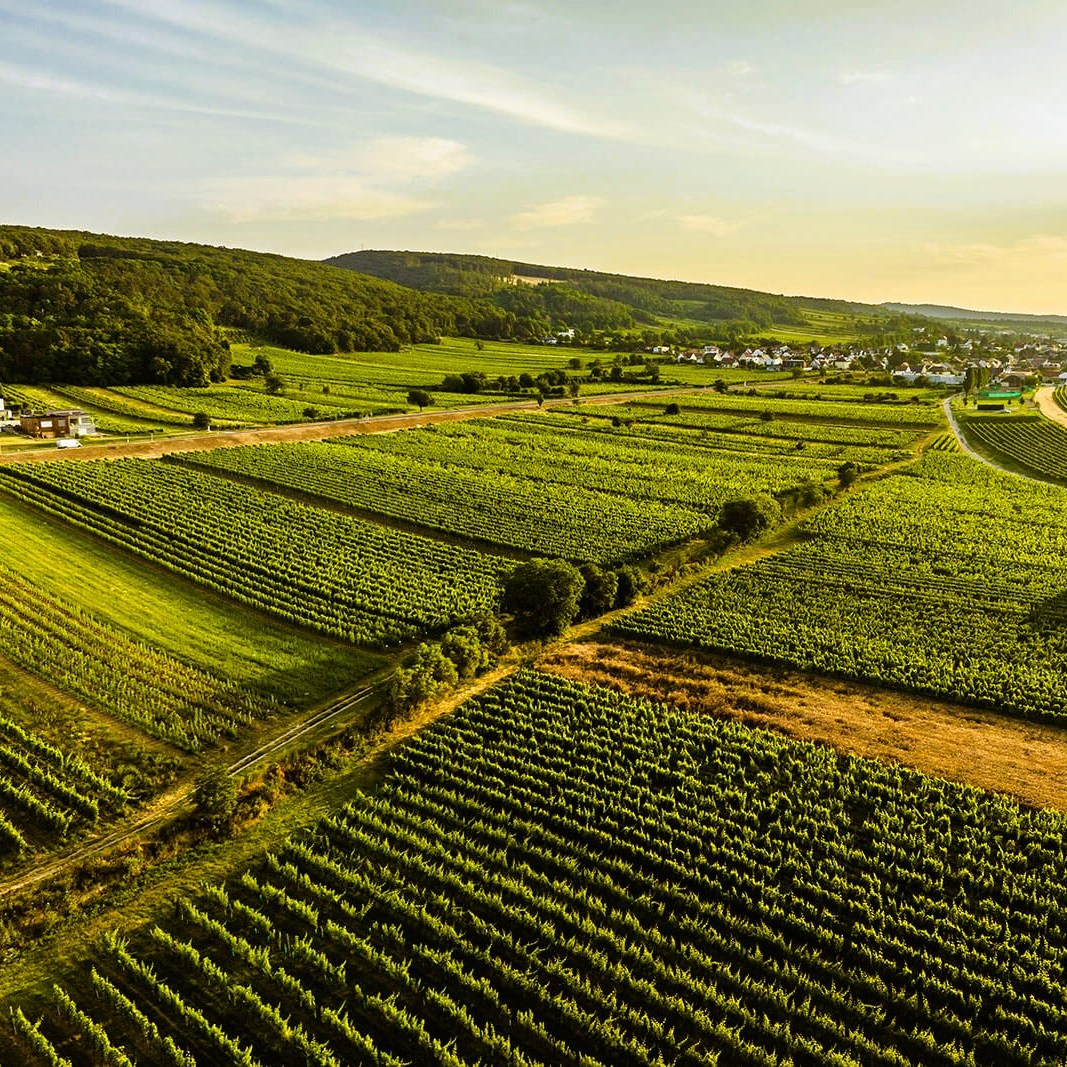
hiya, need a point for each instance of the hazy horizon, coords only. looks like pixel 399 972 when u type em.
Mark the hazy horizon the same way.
pixel 906 155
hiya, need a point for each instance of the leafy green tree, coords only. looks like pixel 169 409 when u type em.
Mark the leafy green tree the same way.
pixel 672 409
pixel 420 398
pixel 601 588
pixel 274 384
pixel 749 517
pixel 201 420
pixel 847 473
pixel 630 584
pixel 544 595
pixel 215 799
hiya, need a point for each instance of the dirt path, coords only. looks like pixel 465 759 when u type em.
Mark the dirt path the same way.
pixel 317 431
pixel 167 805
pixel 1047 405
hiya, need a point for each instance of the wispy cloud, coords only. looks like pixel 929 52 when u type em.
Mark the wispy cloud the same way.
pixel 459 224
pixel 354 51
pixel 1032 250
pixel 37 81
pixel 366 182
pixel 713 224
pixel 307 198
pixel 416 158
pixel 473 84
pixel 34 81
pixel 568 211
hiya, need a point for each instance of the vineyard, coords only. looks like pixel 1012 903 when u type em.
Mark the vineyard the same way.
pixel 125 678
pixel 493 507
pixel 914 415
pixel 46 792
pixel 828 440
pixel 339 575
pixel 1031 443
pixel 950 580
pixel 228 404
pixel 753 900
pixel 543 484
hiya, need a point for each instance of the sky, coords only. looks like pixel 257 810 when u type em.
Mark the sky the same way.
pixel 907 151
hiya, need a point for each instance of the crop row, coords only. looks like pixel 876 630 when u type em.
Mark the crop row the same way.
pixel 917 415
pixel 940 586
pixel 490 505
pixel 340 575
pixel 562 451
pixel 753 900
pixel 123 677
pixel 746 437
pixel 843 434
pixel 1036 445
pixel 232 404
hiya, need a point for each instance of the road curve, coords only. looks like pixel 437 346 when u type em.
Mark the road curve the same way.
pixel 1046 404
pixel 951 416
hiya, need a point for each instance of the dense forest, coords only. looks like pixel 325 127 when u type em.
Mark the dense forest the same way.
pixel 642 300
pixel 95 310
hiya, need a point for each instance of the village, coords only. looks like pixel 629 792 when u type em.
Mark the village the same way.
pixel 938 361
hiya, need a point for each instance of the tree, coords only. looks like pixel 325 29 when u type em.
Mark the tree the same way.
pixel 201 420
pixel 630 584
pixel 749 517
pixel 601 588
pixel 847 473
pixel 544 595
pixel 262 366
pixel 672 409
pixel 420 398
pixel 215 798
pixel 274 384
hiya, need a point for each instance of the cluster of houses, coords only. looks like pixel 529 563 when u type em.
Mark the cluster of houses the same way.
pixel 1014 366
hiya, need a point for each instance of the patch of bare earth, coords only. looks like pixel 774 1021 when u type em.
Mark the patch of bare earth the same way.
pixel 1025 760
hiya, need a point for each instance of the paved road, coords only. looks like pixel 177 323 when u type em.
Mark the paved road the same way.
pixel 316 431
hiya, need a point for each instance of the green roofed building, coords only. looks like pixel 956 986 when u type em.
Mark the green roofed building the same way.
pixel 996 399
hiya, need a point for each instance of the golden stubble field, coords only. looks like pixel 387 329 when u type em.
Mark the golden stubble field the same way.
pixel 1022 759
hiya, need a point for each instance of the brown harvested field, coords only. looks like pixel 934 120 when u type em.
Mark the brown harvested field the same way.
pixel 1025 760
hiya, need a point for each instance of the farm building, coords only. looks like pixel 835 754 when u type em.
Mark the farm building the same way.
pixel 73 423
pixel 996 399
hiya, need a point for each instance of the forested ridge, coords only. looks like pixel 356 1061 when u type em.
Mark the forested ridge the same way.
pixel 90 309
pixel 602 295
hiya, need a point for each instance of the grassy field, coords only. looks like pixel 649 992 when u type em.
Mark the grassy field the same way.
pixel 318 387
pixel 196 626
